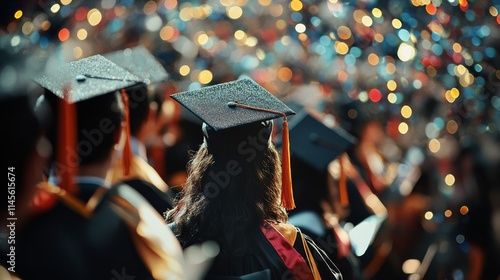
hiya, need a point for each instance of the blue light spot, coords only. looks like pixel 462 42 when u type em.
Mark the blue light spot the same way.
pixel 356 52
pixel 470 16
pixel 478 68
pixel 490 52
pixel 437 49
pixel 325 40
pixel 404 35
pixel 435 36
pixel 194 86
pixel 349 60
pixel 476 41
pixel 477 56
pixel 297 17
pixel 315 21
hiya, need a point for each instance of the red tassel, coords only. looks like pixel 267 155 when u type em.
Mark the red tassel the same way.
pixel 67 140
pixel 127 149
pixel 287 191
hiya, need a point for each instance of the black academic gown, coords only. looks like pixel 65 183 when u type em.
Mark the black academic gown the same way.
pixel 326 240
pixel 260 257
pixel 62 244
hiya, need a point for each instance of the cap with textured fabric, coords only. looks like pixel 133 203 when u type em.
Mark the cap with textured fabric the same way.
pixel 140 62
pixel 87 78
pixel 217 105
pixel 236 109
pixel 316 143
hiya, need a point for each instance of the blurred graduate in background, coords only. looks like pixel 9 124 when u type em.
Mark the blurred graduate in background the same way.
pixel 86 228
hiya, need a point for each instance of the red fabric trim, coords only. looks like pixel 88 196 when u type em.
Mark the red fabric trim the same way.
pixel 292 259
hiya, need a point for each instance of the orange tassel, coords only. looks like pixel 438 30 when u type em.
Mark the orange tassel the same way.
pixel 344 198
pixel 287 191
pixel 286 173
pixel 67 140
pixel 127 149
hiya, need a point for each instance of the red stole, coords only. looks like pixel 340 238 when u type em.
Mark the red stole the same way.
pixel 292 259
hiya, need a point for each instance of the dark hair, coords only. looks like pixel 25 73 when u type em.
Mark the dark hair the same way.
pixel 139 101
pixel 98 120
pixel 226 196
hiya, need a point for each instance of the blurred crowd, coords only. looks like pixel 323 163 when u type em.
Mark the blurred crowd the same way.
pixel 413 85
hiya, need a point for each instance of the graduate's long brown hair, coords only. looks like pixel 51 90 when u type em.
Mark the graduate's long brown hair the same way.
pixel 225 208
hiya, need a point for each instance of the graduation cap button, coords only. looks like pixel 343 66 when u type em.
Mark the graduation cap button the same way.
pixel 80 78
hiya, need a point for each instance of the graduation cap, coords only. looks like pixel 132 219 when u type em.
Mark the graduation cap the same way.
pixel 242 107
pixel 318 145
pixel 94 79
pixel 140 62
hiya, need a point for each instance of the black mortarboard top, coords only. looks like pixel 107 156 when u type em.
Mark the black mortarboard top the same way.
pixel 140 62
pixel 93 79
pixel 232 109
pixel 87 78
pixel 215 105
pixel 316 143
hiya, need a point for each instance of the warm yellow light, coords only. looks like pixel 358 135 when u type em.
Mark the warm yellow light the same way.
pixel 205 77
pixel 167 33
pixel 455 93
pixel 186 14
pixel 449 97
pixel 18 14
pixel 449 179
pixel 373 59
pixel 202 39
pixel 392 85
pixel 94 17
pixel 341 47
pixel 464 210
pixel 265 2
pixel 392 97
pixel 428 215
pixel 434 145
pixel 82 34
pixel 296 5
pixel 493 11
pixel 234 12
pixel 396 23
pixel 457 47
pixel 411 266
pixel 367 21
pixel 403 128
pixel 379 38
pixel 240 35
pixel 406 111
pixel 184 70
pixel 376 12
pixel 55 8
pixel 66 2
pixel 406 52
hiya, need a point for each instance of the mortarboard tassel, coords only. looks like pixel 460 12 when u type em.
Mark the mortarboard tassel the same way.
pixel 286 175
pixel 344 198
pixel 127 149
pixel 286 184
pixel 67 139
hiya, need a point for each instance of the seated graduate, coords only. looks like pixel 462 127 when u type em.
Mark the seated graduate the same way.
pixel 141 176
pixel 232 194
pixel 314 146
pixel 93 230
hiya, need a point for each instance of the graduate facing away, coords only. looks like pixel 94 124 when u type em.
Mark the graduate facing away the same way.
pixel 237 191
